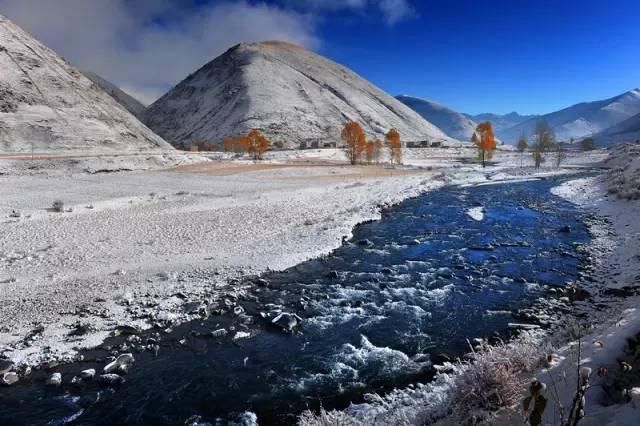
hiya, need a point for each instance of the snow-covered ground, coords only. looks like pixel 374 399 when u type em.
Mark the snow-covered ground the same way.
pixel 612 332
pixel 143 237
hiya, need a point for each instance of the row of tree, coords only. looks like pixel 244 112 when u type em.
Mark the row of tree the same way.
pixel 254 144
pixel 545 143
pixel 359 150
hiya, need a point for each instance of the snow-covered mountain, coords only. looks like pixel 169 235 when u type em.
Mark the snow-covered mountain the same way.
pixel 501 122
pixel 131 104
pixel 293 95
pixel 625 131
pixel 48 105
pixel 453 123
pixel 583 119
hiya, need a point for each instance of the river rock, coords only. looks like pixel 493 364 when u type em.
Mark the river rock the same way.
pixel 122 363
pixel 9 379
pixel 126 330
pixel 565 230
pixel 219 333
pixel 88 374
pixel 262 282
pixel 110 379
pixel 287 322
pixel 54 380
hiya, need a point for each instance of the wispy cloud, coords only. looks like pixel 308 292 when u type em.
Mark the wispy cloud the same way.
pixel 393 11
pixel 147 46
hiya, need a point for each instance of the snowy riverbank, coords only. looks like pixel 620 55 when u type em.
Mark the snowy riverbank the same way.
pixel 137 246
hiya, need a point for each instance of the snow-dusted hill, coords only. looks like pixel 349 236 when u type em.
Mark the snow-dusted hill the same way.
pixel 131 104
pixel 49 106
pixel 583 119
pixel 453 123
pixel 625 131
pixel 293 95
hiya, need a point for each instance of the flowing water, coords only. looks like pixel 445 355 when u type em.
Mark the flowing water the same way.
pixel 436 270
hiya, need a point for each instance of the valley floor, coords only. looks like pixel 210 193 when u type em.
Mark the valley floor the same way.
pixel 149 241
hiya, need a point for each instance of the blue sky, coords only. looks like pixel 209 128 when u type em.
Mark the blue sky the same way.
pixel 497 56
pixel 474 56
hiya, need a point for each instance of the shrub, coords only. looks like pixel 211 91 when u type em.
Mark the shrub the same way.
pixel 58 206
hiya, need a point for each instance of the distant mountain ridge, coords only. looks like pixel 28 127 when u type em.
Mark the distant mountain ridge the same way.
pixel 583 119
pixel 453 123
pixel 625 131
pixel 501 122
pixel 294 96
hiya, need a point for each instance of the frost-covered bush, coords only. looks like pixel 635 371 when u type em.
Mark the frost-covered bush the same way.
pixel 58 206
pixel 460 393
pixel 624 177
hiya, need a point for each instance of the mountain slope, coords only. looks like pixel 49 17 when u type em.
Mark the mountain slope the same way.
pixel 583 119
pixel 130 103
pixel 453 123
pixel 47 105
pixel 291 94
pixel 625 131
pixel 501 122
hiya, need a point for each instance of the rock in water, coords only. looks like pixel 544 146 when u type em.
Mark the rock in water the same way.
pixel 122 364
pixel 88 374
pixel 111 379
pixel 287 322
pixel 54 380
pixel 297 98
pixel 9 379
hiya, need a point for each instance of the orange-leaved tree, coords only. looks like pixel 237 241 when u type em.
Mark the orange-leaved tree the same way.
pixel 392 138
pixel 241 143
pixel 373 150
pixel 258 144
pixel 355 143
pixel 228 145
pixel 485 140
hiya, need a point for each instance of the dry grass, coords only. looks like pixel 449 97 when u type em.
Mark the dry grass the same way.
pixel 468 392
pixel 322 170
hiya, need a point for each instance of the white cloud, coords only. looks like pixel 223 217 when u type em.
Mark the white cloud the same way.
pixel 132 44
pixel 393 11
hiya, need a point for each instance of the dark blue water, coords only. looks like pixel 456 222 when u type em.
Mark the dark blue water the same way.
pixel 417 283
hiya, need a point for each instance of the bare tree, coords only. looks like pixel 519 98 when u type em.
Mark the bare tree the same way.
pixel 561 153
pixel 522 146
pixel 544 141
pixel 587 144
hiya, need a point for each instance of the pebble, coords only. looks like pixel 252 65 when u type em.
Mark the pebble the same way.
pixel 54 380
pixel 219 333
pixel 111 379
pixel 9 379
pixel 88 374
pixel 121 363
